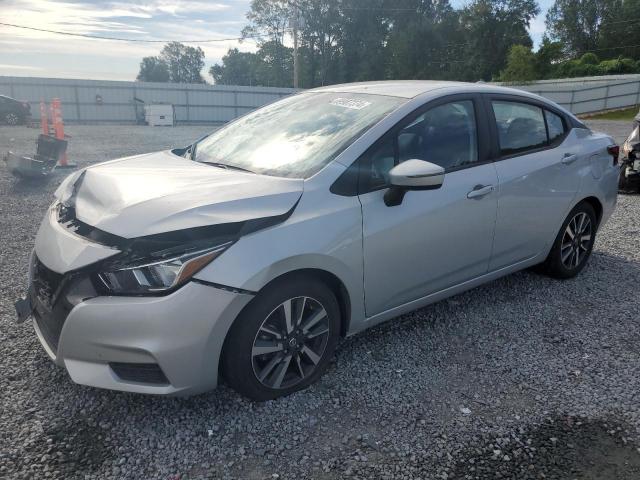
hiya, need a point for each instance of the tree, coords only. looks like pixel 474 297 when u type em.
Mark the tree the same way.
pixel 491 27
pixel 177 63
pixel 275 64
pixel 521 65
pixel 185 63
pixel 153 69
pixel 271 17
pixel 420 45
pixel 547 58
pixel 237 68
pixel 577 23
pixel 619 33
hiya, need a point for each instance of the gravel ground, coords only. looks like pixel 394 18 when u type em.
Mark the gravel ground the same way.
pixel 523 378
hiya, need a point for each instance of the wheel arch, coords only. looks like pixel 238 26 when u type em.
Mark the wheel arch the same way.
pixel 596 204
pixel 331 280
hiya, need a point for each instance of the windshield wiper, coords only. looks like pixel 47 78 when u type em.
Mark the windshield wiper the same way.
pixel 228 167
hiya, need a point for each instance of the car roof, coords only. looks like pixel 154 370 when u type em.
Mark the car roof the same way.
pixel 413 88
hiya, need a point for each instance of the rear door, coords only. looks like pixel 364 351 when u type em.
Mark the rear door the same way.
pixel 538 176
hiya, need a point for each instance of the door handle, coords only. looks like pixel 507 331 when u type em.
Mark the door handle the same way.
pixel 569 158
pixel 480 191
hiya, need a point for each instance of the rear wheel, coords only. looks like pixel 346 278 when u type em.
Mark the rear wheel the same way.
pixel 12 119
pixel 283 341
pixel 573 244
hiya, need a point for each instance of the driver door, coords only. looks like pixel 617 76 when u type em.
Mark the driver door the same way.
pixel 434 239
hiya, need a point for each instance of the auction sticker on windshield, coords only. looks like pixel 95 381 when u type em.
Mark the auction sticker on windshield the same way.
pixel 350 103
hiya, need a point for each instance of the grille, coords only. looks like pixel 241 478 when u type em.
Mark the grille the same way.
pixel 45 282
pixel 140 373
pixel 45 290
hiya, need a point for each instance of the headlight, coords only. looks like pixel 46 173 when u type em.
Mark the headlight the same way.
pixel 158 276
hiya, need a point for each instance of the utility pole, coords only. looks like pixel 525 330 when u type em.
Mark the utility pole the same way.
pixel 295 50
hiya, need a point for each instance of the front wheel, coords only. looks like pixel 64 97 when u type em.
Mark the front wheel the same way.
pixel 573 244
pixel 283 341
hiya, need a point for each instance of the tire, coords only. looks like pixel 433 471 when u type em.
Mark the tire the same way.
pixel 562 261
pixel 295 354
pixel 12 119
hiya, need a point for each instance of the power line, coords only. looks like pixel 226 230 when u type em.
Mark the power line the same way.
pixel 137 40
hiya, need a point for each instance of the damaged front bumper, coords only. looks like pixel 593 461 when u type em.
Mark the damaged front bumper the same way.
pixel 160 345
pixel 165 344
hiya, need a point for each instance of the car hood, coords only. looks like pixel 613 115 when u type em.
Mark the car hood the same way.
pixel 162 192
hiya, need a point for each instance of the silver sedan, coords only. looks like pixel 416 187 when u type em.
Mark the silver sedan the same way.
pixel 249 253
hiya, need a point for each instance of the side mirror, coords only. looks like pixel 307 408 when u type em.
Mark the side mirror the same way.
pixel 412 175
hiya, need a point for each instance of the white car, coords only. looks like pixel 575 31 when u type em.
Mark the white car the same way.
pixel 251 252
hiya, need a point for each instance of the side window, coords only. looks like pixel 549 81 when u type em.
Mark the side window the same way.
pixel 445 135
pixel 555 126
pixel 521 126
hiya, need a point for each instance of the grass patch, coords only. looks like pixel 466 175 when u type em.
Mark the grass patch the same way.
pixel 626 114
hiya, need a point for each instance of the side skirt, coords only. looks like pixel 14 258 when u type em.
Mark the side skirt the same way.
pixel 448 292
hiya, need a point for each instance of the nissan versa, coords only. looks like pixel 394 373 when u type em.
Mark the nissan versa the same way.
pixel 248 254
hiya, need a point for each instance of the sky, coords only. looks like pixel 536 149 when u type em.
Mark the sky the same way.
pixel 31 53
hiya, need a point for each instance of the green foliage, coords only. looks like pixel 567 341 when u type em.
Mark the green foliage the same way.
pixel 352 40
pixel 185 63
pixel 582 68
pixel 576 23
pixel 618 66
pixel 589 59
pixel 240 68
pixel 521 65
pixel 627 114
pixel 153 69
pixel 176 63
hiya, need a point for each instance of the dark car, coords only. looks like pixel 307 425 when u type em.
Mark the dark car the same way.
pixel 630 170
pixel 14 112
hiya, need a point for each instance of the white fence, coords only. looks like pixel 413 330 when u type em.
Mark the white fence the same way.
pixel 98 101
pixel 589 94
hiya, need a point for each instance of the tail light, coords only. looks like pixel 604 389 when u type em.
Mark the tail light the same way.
pixel 614 151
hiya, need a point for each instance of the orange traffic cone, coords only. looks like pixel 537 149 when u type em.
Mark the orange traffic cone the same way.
pixel 58 129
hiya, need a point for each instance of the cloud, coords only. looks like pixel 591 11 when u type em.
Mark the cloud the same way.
pixel 8 66
pixel 140 19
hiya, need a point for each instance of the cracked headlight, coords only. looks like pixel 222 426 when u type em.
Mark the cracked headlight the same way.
pixel 160 275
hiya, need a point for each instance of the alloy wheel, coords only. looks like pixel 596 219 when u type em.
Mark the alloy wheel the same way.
pixel 576 241
pixel 12 119
pixel 290 343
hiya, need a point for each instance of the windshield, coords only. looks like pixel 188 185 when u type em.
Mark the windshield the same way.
pixel 296 136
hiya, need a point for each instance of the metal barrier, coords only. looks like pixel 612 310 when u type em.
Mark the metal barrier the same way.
pixel 580 96
pixel 97 101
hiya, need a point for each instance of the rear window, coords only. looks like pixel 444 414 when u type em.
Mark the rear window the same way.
pixel 521 126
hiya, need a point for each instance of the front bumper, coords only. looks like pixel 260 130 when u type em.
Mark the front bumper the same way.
pixel 164 344
pixel 178 336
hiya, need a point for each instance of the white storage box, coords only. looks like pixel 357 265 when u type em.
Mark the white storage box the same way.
pixel 159 115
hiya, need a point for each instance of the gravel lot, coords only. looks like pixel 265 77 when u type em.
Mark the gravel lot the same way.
pixel 524 378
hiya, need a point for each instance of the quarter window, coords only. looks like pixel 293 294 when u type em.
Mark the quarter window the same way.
pixel 521 127
pixel 555 126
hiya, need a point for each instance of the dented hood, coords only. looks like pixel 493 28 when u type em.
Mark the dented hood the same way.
pixel 162 192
